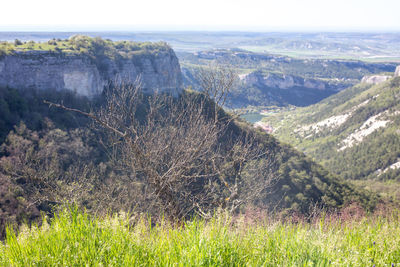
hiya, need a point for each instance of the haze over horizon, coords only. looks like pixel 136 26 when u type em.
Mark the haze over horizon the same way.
pixel 209 15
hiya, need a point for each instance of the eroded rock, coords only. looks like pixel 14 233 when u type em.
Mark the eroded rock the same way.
pixel 79 73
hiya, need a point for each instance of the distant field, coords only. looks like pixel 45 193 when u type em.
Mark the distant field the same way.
pixel 382 59
pixel 302 54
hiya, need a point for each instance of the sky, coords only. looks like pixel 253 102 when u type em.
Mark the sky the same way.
pixel 241 15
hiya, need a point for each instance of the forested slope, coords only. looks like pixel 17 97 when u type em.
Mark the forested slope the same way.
pixel 354 133
pixel 55 162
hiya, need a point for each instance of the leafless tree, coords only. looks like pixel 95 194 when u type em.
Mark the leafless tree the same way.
pixel 217 81
pixel 179 155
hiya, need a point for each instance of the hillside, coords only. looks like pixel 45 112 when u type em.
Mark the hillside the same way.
pixel 354 134
pixel 269 79
pixel 46 167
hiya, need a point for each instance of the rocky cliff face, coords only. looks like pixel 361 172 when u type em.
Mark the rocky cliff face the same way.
pixel 397 72
pixel 375 79
pixel 272 80
pixel 84 75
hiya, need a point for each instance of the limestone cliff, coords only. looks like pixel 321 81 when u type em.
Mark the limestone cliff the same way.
pixel 87 76
pixel 397 72
pixel 375 79
pixel 285 81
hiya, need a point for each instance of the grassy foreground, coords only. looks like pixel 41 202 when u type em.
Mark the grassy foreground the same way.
pixel 76 239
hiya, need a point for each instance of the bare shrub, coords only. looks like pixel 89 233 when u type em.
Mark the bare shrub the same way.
pixel 51 168
pixel 177 156
pixel 217 81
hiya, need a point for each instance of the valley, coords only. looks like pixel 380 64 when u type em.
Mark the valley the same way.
pixel 212 131
pixel 266 93
pixel 200 133
pixel 270 79
pixel 353 133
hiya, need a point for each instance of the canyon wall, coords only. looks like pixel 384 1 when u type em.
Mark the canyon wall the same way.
pixel 87 76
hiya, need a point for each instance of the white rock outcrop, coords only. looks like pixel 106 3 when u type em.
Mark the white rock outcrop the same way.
pixel 375 79
pixel 371 125
pixel 397 72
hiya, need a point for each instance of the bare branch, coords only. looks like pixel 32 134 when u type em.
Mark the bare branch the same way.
pixel 173 156
pixel 89 115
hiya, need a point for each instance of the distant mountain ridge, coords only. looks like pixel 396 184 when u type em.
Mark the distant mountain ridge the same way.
pixel 377 46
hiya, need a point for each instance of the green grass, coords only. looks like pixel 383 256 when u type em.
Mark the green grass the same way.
pixel 76 239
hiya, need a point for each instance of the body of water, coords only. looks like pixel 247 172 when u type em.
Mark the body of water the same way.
pixel 252 117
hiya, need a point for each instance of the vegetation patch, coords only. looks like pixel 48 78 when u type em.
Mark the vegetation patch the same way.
pixel 100 51
pixel 227 163
pixel 363 145
pixel 75 238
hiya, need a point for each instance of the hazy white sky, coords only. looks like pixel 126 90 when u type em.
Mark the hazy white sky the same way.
pixel 201 14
